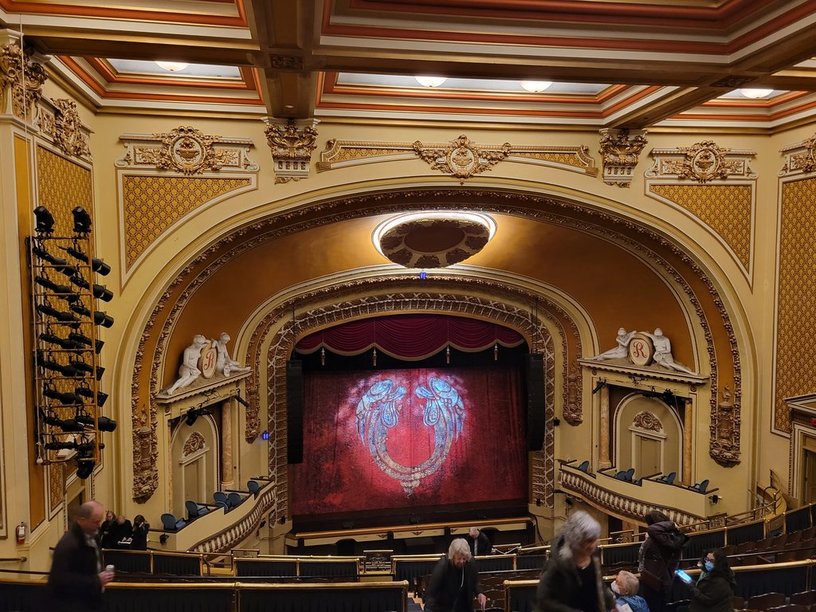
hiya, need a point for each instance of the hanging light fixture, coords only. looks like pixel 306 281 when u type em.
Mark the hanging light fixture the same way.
pixel 172 66
pixel 430 81
pixel 535 86
pixel 756 94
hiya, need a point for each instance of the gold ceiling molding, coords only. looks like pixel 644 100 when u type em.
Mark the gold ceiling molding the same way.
pixel 620 150
pixel 186 150
pixel 22 75
pixel 800 158
pixel 291 142
pixel 703 162
pixel 460 158
pixel 59 121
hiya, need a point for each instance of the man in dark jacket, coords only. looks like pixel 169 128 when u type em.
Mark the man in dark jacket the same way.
pixel 454 582
pixel 659 558
pixel 479 543
pixel 77 579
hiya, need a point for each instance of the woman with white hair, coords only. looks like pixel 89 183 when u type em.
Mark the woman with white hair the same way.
pixel 572 578
pixel 454 582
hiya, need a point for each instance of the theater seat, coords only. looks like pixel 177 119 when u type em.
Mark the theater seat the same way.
pixel 254 487
pixel 171 523
pixel 194 510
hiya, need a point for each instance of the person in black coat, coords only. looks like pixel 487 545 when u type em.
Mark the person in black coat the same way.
pixel 122 532
pixel 454 582
pixel 572 580
pixel 478 542
pixel 76 580
pixel 659 557
pixel 715 587
pixel 140 529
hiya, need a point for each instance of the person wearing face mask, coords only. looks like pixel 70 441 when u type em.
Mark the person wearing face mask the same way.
pixel 715 588
pixel 625 587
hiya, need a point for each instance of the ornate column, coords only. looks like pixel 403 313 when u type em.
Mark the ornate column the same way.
pixel 227 410
pixel 688 431
pixel 291 142
pixel 603 446
pixel 621 150
pixel 22 75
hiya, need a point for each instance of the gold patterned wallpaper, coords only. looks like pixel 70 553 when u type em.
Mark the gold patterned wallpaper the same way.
pixel 796 310
pixel 62 185
pixel 724 208
pixel 154 203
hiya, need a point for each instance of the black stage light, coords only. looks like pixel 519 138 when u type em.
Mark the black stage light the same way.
pixel 85 468
pixel 44 220
pixel 59 315
pixel 67 399
pixel 57 445
pixel 65 343
pixel 103 423
pixel 97 265
pixel 101 397
pixel 68 426
pixel 82 220
pixel 99 291
pixel 99 317
pixel 61 291
pixel 58 262
pixel 191 417
pixel 81 366
pixel 242 401
pixel 87 448
pixel 86 341
pixel 50 364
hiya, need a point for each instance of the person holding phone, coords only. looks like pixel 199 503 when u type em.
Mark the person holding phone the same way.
pixel 715 587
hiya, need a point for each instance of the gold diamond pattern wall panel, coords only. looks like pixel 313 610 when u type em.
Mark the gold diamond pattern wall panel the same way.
pixel 152 204
pixel 727 209
pixel 796 308
pixel 62 185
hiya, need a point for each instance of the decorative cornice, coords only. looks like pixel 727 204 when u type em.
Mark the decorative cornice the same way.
pixel 703 162
pixel 186 150
pixel 620 149
pixel 291 143
pixel 460 158
pixel 800 158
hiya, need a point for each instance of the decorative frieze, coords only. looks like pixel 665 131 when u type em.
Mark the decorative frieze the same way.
pixel 703 162
pixel 620 149
pixel 460 158
pixel 22 75
pixel 59 121
pixel 800 158
pixel 291 143
pixel 186 150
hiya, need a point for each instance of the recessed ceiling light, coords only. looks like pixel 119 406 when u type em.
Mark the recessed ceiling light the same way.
pixel 755 94
pixel 536 86
pixel 172 66
pixel 430 81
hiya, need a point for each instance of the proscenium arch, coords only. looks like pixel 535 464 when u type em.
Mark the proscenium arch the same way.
pixel 705 306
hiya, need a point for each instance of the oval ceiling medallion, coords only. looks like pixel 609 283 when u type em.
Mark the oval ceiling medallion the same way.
pixel 433 239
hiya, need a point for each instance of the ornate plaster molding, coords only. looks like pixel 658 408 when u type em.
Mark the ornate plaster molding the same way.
pixel 193 444
pixel 621 149
pixel 291 143
pixel 703 162
pixel 186 150
pixel 800 158
pixel 22 75
pixel 59 120
pixel 647 421
pixel 460 158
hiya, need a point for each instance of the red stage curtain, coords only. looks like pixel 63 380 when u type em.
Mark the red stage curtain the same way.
pixel 485 462
pixel 410 337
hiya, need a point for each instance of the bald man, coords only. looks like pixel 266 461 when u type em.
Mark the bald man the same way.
pixel 77 579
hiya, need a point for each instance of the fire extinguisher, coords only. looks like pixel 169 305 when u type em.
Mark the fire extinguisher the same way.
pixel 21 533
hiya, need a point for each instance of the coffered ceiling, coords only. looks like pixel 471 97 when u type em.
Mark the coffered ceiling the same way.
pixel 624 63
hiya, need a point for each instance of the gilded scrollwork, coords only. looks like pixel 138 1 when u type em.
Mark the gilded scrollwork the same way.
pixel 800 158
pixel 621 149
pixel 21 80
pixel 193 444
pixel 647 421
pixel 703 162
pixel 461 158
pixel 68 133
pixel 291 143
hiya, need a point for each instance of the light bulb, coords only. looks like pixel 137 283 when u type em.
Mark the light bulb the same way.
pixel 536 86
pixel 430 81
pixel 755 94
pixel 172 66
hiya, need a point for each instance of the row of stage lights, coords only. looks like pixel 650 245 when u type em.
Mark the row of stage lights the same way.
pixel 67 348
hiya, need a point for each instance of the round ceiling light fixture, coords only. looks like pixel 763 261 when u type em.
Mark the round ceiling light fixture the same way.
pixel 433 239
pixel 756 94
pixel 536 86
pixel 172 66
pixel 430 81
